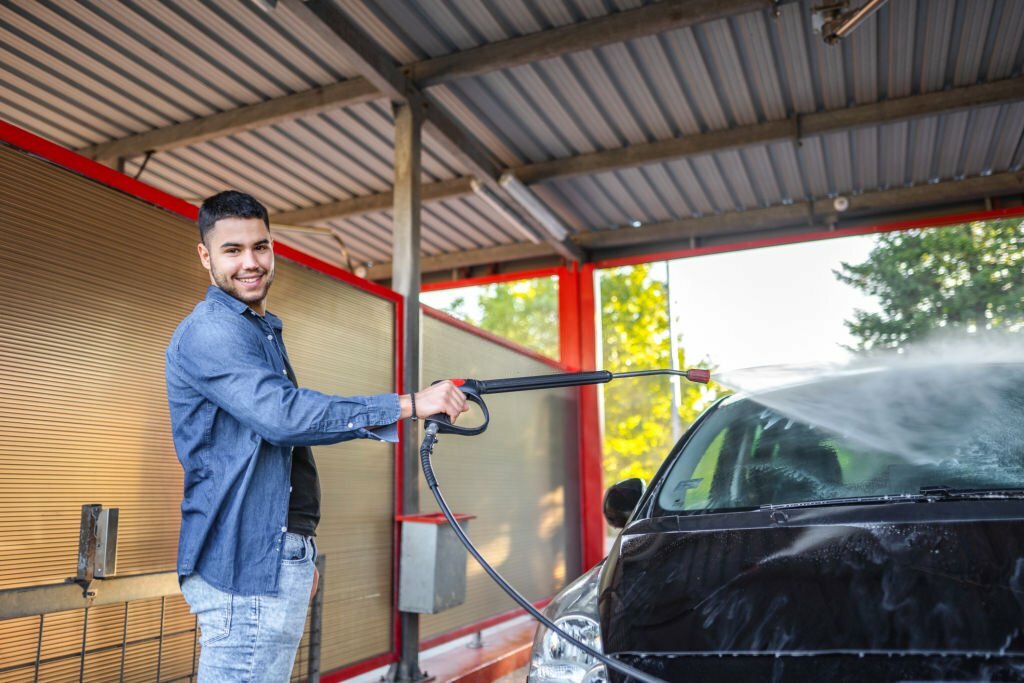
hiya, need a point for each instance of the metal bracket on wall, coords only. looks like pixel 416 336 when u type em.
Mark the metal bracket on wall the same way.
pixel 97 547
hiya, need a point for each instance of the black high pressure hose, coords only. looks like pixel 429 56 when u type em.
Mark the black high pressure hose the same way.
pixel 473 388
pixel 426 448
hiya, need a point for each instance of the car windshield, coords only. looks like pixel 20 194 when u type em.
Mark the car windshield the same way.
pixel 860 434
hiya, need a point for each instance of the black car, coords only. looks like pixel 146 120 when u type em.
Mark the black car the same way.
pixel 866 525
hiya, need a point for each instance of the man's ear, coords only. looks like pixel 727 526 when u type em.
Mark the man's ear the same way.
pixel 204 255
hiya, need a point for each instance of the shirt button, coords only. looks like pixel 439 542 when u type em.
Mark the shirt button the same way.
pixel 350 425
pixel 289 489
pixel 270 337
pixel 284 529
pixel 284 371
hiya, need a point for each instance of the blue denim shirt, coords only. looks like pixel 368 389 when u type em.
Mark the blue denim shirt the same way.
pixel 235 417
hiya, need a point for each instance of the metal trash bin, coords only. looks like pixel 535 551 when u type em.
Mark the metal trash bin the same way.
pixel 432 573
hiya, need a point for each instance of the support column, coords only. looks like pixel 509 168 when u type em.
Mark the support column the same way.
pixel 578 346
pixel 405 279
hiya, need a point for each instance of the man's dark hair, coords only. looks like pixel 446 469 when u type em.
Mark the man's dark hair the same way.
pixel 229 204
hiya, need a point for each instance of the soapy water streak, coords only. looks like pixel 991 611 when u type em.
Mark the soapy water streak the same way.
pixel 955 403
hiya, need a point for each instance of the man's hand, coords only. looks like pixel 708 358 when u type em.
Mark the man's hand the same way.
pixel 443 397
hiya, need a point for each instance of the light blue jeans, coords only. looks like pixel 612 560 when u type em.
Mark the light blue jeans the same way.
pixel 254 638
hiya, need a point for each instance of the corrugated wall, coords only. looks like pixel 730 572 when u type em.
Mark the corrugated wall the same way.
pixel 518 478
pixel 94 283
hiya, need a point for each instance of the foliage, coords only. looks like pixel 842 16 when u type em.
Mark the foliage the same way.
pixel 637 412
pixel 965 277
pixel 634 336
pixel 524 311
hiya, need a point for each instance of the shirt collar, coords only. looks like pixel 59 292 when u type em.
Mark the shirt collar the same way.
pixel 215 293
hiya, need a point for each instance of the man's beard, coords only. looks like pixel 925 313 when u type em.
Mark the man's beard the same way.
pixel 234 289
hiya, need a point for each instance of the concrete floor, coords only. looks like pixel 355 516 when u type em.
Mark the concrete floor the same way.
pixel 517 676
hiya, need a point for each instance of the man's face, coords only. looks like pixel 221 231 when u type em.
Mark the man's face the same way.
pixel 239 255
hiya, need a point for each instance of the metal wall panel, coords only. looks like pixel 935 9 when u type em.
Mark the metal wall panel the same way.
pixel 518 478
pixel 94 283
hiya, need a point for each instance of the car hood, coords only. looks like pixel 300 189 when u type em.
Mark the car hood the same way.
pixel 891 591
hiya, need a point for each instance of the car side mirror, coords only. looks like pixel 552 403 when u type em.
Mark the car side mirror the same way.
pixel 620 500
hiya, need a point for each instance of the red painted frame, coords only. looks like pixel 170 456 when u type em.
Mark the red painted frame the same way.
pixel 76 163
pixel 490 279
pixel 577 351
pixel 815 236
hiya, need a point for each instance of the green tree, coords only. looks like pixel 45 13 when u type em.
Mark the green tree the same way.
pixel 524 311
pixel 637 412
pixel 965 277
pixel 635 336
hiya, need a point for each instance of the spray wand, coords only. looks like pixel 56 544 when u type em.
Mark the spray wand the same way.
pixel 474 389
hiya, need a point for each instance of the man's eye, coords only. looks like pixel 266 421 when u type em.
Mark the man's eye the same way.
pixel 262 247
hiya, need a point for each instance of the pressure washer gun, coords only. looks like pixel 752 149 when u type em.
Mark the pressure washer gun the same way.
pixel 475 388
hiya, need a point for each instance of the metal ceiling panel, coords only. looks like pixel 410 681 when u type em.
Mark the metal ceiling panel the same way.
pixel 978 141
pixel 974 23
pixel 762 175
pixel 923 148
pixel 786 165
pixel 899 44
pixel 864 143
pixel 737 179
pixel 751 34
pixel 811 155
pixel 88 72
pixel 1009 138
pixel 792 57
pixel 696 79
pixel 727 70
pixel 1006 46
pixel 690 186
pixel 935 44
pixel 864 61
pixel 893 145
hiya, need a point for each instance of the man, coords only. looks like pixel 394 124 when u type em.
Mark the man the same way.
pixel 242 430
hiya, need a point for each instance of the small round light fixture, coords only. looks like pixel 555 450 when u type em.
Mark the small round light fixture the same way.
pixel 840 204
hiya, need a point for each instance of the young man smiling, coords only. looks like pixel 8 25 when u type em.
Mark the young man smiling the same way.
pixel 242 430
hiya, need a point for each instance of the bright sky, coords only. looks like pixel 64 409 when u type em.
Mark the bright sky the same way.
pixel 768 306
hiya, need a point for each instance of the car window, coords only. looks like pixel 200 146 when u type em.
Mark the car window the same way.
pixel 749 453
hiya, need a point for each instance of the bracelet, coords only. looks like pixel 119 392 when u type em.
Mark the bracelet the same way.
pixel 412 399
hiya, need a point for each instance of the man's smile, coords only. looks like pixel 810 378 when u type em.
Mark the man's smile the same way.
pixel 250 280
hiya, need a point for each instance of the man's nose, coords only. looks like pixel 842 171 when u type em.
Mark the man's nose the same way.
pixel 249 261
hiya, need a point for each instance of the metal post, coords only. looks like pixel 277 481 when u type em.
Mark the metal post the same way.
pixel 673 359
pixel 405 280
pixel 87 547
pixel 316 618
pixel 577 327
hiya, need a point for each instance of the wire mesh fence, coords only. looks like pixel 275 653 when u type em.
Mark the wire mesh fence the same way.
pixel 153 640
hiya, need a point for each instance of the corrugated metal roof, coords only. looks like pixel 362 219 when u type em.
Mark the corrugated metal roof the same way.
pixel 88 72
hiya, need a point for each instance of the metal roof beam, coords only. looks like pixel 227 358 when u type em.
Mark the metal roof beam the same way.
pixel 819 213
pixel 464 259
pixel 324 17
pixel 793 128
pixel 306 103
pixel 382 77
pixel 798 216
pixel 382 201
pixel 587 35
